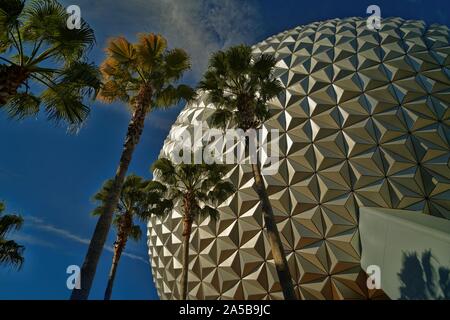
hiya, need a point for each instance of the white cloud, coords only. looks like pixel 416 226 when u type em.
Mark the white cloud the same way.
pixel 40 224
pixel 22 238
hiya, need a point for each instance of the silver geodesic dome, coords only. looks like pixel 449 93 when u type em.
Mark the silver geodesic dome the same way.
pixel 364 121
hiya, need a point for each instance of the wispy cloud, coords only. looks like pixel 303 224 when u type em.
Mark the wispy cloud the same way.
pixel 23 238
pixel 40 224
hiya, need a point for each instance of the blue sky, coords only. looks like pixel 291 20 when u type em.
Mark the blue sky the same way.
pixel 49 176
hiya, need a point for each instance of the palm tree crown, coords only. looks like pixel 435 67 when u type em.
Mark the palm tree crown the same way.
pixel 201 184
pixel 139 198
pixel 144 72
pixel 240 87
pixel 11 253
pixel 43 62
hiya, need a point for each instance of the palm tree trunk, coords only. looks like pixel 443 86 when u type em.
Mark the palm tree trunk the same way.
pixel 98 240
pixel 118 249
pixel 11 78
pixel 125 225
pixel 187 228
pixel 278 253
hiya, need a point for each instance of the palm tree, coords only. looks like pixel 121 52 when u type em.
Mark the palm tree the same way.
pixel 200 188
pixel 11 253
pixel 37 48
pixel 241 86
pixel 138 199
pixel 142 76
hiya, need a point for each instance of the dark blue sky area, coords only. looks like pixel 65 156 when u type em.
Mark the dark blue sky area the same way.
pixel 49 176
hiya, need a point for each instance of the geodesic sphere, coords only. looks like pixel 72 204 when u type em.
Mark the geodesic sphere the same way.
pixel 363 121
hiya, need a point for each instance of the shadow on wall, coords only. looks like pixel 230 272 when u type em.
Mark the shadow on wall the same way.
pixel 423 279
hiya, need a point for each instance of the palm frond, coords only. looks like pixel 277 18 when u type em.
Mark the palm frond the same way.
pixel 5 41
pixel 112 91
pixel 262 112
pixel 161 208
pixel 263 65
pixel 236 80
pixel 41 27
pixel 62 102
pixel 122 51
pixel 135 233
pixel 173 95
pixel 222 191
pixel 150 49
pixel 239 59
pixel 270 88
pixel 164 169
pixel 47 21
pixel 63 98
pixel 176 62
pixel 22 105
pixel 10 12
pixel 43 20
pixel 11 253
pixel 220 118
pixel 138 198
pixel 82 76
pixel 211 81
pixel 103 194
pixel 208 211
pixel 202 184
pixel 111 68
pixel 155 186
pixel 174 193
pixel 101 197
pixel 116 220
pixel 151 45
pixel 133 182
pixel 74 43
pixel 147 64
pixel 9 223
pixel 219 63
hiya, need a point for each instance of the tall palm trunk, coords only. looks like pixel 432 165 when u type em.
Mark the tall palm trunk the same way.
pixel 118 249
pixel 121 241
pixel 187 228
pixel 246 110
pixel 11 78
pixel 98 240
pixel 278 253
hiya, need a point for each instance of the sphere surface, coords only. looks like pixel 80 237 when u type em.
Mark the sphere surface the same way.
pixel 364 121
